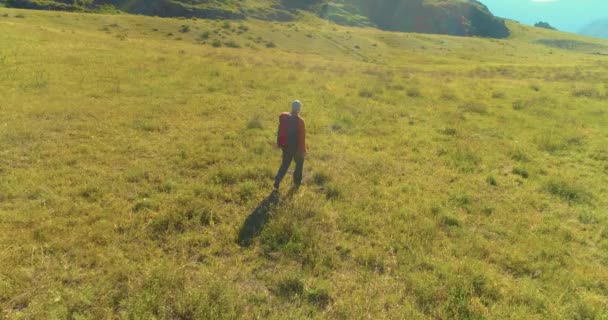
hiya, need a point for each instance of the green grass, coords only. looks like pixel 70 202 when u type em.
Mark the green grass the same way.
pixel 131 161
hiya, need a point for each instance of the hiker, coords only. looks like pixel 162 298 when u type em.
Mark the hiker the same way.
pixel 291 137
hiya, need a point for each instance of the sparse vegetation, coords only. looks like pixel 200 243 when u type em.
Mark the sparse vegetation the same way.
pixel 413 93
pixel 231 44
pixel 184 28
pixel 587 92
pixel 568 191
pixel 474 107
pixel 520 104
pixel 521 172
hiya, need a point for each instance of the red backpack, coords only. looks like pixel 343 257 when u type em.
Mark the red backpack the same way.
pixel 283 129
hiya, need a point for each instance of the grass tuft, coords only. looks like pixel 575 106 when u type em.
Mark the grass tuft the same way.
pixel 521 172
pixel 290 288
pixel 474 107
pixel 568 191
pixel 255 122
pixel 414 93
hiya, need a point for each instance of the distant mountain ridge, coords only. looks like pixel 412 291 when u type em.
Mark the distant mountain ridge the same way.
pixel 598 29
pixel 453 17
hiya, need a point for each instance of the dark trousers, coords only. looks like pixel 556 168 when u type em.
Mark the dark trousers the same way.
pixel 289 155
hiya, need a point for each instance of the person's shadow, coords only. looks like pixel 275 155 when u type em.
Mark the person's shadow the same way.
pixel 257 219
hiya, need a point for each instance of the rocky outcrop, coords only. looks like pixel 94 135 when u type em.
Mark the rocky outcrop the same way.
pixel 459 18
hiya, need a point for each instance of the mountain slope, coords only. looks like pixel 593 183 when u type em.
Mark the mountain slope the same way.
pixel 447 177
pixel 598 29
pixel 461 18
pixel 454 17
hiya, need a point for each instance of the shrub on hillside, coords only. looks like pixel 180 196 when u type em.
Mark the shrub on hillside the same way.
pixel 184 28
pixel 231 44
pixel 545 25
pixel 39 5
pixel 300 4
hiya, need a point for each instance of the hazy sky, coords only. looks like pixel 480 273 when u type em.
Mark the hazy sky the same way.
pixel 566 15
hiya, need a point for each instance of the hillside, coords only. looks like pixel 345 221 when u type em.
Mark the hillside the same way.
pixel 447 177
pixel 454 17
pixel 598 29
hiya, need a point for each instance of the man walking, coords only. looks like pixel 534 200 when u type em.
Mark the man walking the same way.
pixel 291 137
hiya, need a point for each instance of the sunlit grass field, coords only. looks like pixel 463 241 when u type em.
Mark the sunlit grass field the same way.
pixel 447 178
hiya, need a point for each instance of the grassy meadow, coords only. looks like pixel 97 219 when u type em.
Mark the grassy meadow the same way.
pixel 447 178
